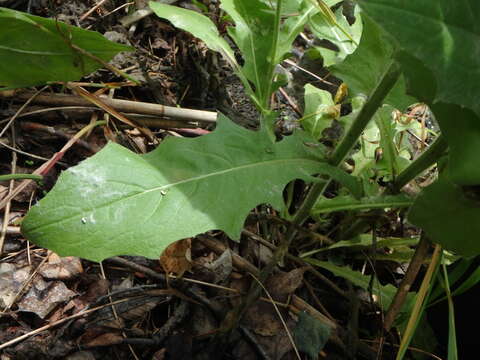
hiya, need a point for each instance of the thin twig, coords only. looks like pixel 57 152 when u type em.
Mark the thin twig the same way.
pixel 280 316
pixel 42 170
pixel 90 11
pixel 315 76
pixel 411 348
pixel 29 98
pixel 33 156
pixel 6 214
pixel 56 323
pixel 115 314
pixel 24 286
pixel 300 262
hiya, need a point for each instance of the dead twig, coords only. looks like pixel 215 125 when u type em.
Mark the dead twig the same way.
pixel 6 214
pixel 124 106
pixel 56 323
pixel 300 262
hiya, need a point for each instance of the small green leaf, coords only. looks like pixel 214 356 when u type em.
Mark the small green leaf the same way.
pixel 346 40
pixel 362 70
pixel 383 119
pixel 310 334
pixel 319 111
pixel 369 143
pixel 118 202
pixel 377 147
pixel 197 24
pixel 449 215
pixel 443 35
pixel 35 50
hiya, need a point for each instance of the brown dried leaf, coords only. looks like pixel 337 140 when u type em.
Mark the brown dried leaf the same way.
pixel 43 296
pixel 12 277
pixel 81 355
pixel 261 317
pixel 282 285
pixel 61 268
pixel 106 339
pixel 176 258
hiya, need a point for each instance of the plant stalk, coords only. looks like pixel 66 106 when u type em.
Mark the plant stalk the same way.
pixel 382 89
pixel 371 106
pixel 273 55
pixel 349 140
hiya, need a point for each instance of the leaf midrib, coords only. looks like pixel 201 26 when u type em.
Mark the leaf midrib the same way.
pixel 49 53
pixel 192 179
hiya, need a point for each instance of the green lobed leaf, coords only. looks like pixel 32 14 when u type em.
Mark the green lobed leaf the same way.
pixel 36 50
pixel 362 70
pixel 444 35
pixel 419 79
pixel 449 215
pixel 118 202
pixel 261 43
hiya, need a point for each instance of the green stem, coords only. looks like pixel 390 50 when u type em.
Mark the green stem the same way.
pixel 382 89
pixel 366 113
pixel 21 176
pixel 268 119
pixel 273 55
pixel 424 161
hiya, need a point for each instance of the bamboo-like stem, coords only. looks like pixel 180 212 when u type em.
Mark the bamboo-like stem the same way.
pixel 125 106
